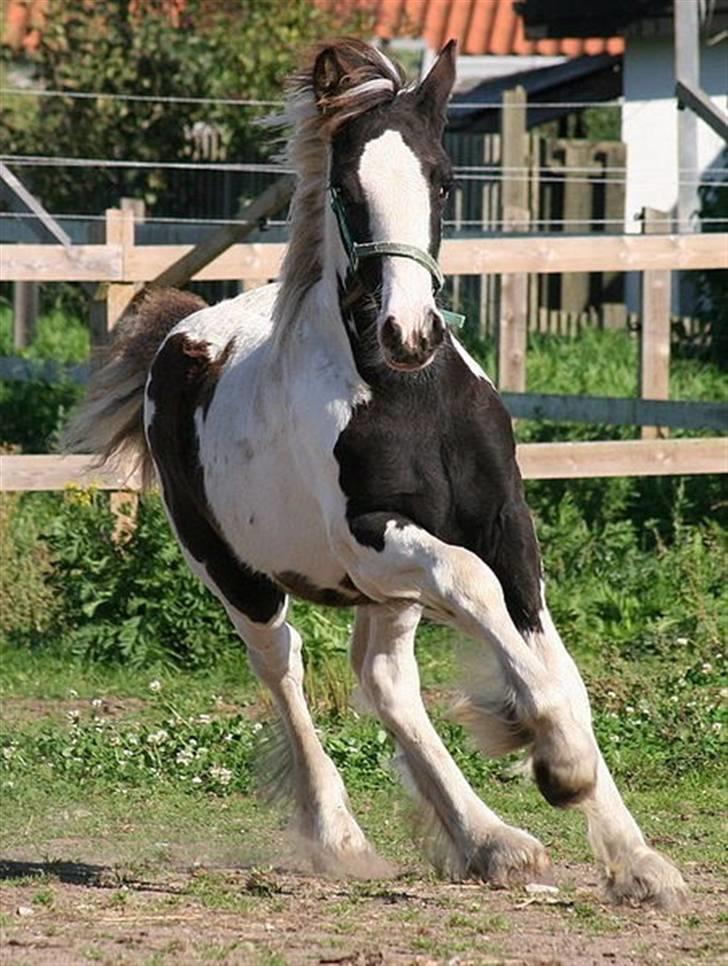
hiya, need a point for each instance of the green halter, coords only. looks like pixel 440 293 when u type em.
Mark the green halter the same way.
pixel 357 251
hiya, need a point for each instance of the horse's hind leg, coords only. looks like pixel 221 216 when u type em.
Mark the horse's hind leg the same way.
pixel 633 870
pixel 465 837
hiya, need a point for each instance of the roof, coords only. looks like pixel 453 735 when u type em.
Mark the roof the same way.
pixel 24 20
pixel 576 79
pixel 479 26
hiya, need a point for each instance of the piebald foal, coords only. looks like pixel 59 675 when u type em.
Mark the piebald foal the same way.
pixel 328 437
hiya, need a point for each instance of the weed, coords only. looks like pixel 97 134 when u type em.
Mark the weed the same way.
pixel 217 891
pixel 268 957
pixel 592 919
pixel 44 898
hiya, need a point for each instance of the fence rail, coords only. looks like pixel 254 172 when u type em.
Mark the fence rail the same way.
pixel 502 255
pixel 537 461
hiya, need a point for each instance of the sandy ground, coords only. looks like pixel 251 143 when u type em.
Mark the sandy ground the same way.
pixel 75 913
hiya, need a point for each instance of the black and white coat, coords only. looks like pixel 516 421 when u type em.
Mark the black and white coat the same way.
pixel 329 438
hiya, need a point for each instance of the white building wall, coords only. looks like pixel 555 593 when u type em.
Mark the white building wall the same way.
pixel 649 121
pixel 649 129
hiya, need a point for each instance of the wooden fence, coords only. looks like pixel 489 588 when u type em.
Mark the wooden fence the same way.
pixel 119 265
pixel 520 181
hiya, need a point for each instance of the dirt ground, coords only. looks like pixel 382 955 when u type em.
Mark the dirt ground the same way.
pixel 61 913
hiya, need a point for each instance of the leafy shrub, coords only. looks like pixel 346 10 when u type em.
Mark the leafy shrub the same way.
pixel 58 336
pixel 32 413
pixel 25 596
pixel 129 600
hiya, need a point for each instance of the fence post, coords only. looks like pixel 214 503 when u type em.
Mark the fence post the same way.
pixel 654 353
pixel 25 313
pixel 110 300
pixel 512 325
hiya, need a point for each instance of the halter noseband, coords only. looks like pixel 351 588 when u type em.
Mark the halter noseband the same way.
pixel 358 251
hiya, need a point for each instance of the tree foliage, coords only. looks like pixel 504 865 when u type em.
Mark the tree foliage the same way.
pixel 211 49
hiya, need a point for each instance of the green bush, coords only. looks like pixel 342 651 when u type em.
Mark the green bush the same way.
pixel 134 600
pixel 32 413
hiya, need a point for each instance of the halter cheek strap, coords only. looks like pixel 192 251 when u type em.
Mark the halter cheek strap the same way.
pixel 358 251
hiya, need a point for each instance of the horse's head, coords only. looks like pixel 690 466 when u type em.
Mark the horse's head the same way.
pixel 389 180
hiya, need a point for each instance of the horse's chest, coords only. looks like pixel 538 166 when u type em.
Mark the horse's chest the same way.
pixel 443 461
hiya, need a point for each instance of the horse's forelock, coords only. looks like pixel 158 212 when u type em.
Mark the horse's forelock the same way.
pixel 344 79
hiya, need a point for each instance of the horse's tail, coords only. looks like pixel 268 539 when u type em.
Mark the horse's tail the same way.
pixel 110 420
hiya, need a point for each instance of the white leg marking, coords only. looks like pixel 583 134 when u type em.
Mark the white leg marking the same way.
pixel 327 830
pixel 633 871
pixel 323 819
pixel 468 839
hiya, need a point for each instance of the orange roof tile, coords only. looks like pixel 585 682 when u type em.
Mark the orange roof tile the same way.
pixel 480 26
pixel 24 20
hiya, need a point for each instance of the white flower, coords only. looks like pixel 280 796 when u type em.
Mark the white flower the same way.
pixel 629 709
pixel 8 753
pixel 615 739
pixel 185 756
pixel 96 703
pixel 155 686
pixel 158 737
pixel 611 694
pixel 72 693
pixel 73 715
pixel 204 718
pixel 707 668
pixel 682 641
pixel 257 726
pixel 716 727
pixel 196 780
pixel 222 775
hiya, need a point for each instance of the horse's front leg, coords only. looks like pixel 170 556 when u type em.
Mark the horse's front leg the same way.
pixel 633 870
pixel 327 829
pixel 465 838
pixel 517 702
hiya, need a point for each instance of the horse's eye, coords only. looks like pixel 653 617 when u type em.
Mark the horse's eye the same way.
pixel 444 191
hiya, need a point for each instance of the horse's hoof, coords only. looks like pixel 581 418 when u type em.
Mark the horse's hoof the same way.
pixel 351 864
pixel 646 878
pixel 510 857
pixel 334 845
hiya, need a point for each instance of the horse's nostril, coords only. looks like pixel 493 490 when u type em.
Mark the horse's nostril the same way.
pixel 391 333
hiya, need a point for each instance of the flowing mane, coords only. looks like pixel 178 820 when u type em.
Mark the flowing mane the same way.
pixel 315 109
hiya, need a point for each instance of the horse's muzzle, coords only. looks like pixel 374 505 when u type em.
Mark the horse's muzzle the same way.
pixel 415 351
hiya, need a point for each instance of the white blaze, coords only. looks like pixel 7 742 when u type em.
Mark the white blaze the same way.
pixel 398 198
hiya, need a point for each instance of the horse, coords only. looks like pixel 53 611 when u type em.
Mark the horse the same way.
pixel 329 437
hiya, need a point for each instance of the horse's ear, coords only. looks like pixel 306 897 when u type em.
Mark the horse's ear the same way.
pixel 434 91
pixel 328 72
